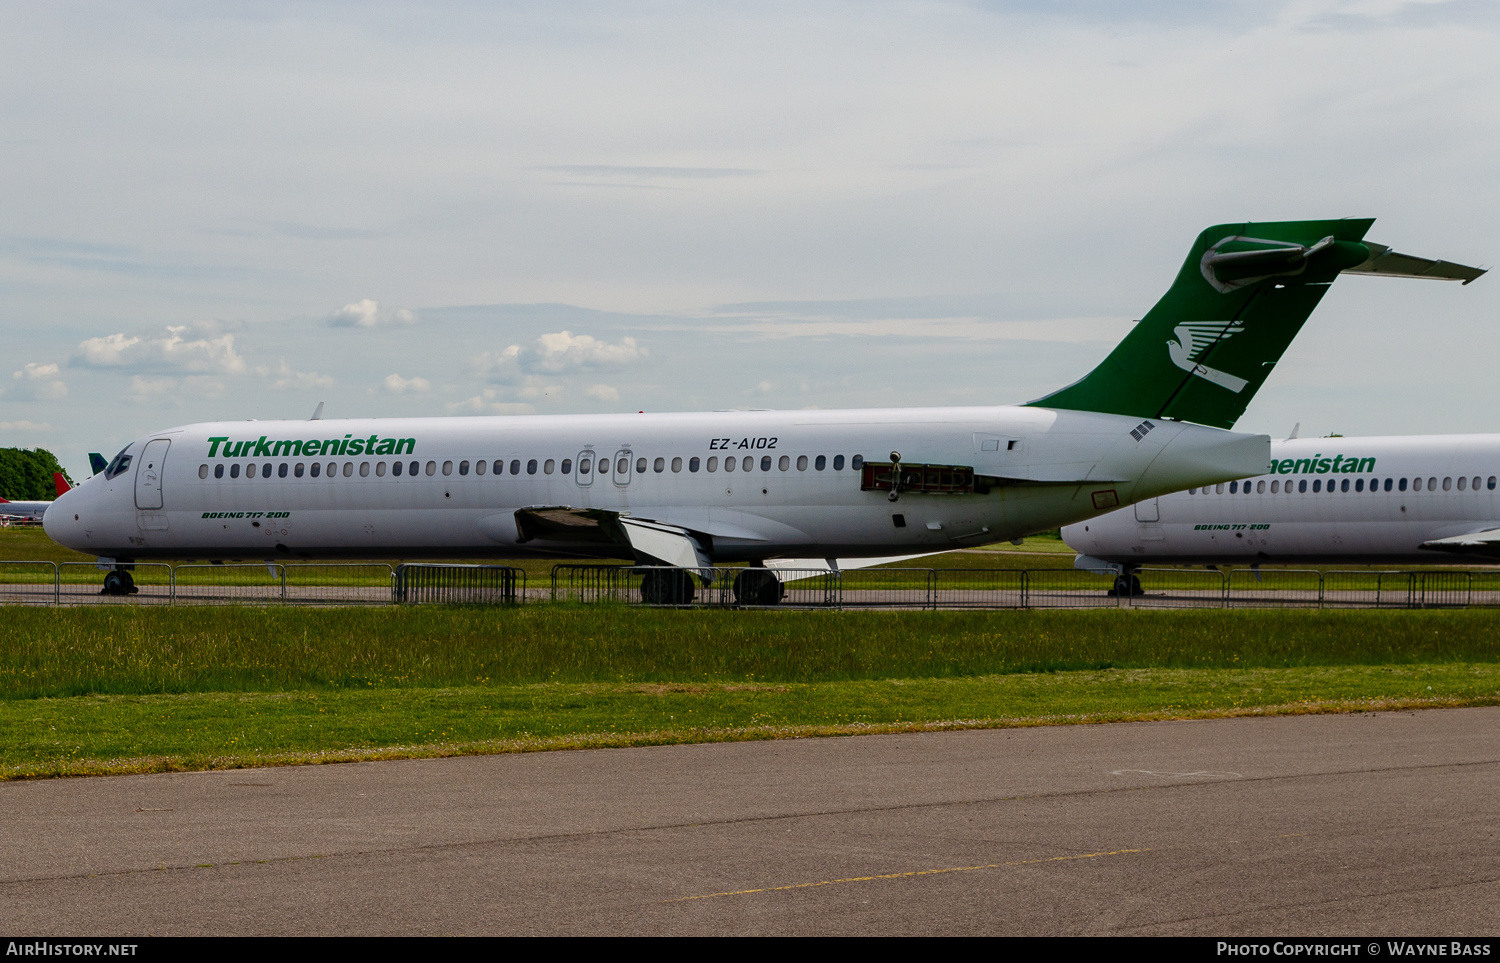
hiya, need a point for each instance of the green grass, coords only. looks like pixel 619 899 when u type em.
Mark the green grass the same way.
pixel 138 689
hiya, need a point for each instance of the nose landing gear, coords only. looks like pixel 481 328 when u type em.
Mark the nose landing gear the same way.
pixel 118 582
pixel 1127 585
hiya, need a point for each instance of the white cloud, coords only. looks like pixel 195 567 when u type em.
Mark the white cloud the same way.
pixel 603 392
pixel 398 385
pixel 173 391
pixel 287 378
pixel 366 313
pixel 488 402
pixel 560 352
pixel 168 348
pixel 25 426
pixel 38 382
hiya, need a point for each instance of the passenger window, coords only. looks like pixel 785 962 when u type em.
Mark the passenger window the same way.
pixel 802 463
pixel 838 462
pixel 1302 486
pixel 857 462
pixel 395 468
pixel 348 469
pixel 658 466
pixel 694 464
pixel 1462 483
pixel 480 467
pixel 316 470
pixel 1490 484
pixel 250 470
pixel 1402 485
pixel 1219 488
pixel 1416 484
pixel 1432 484
pixel 713 465
pixel 729 464
pixel 1359 484
pixel 1387 485
pixel 548 466
pixel 234 471
pixel 499 466
pixel 447 468
pixel 820 462
pixel 1448 484
pixel 380 469
pixel 567 466
pixel 783 463
pixel 1260 488
pixel 218 471
pixel 583 466
pixel 531 467
pixel 747 463
pixel 1318 485
pixel 515 466
pixel 765 463
pixel 364 469
pixel 202 471
pixel 1234 487
pixel 1275 487
pixel 298 470
pixel 676 465
pixel 463 468
pixel 1344 485
pixel 432 468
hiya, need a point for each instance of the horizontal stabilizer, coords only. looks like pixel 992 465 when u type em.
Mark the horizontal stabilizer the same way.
pixel 1387 263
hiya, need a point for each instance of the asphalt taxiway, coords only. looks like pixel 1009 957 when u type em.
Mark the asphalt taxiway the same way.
pixel 1365 824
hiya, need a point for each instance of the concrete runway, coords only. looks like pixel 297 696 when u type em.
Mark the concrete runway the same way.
pixel 1349 825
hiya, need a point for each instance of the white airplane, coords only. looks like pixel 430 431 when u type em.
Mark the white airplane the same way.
pixel 1415 500
pixel 29 512
pixel 783 489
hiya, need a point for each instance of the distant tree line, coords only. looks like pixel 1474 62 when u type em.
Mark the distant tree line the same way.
pixel 27 475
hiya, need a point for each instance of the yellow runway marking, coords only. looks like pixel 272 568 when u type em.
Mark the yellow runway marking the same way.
pixel 917 872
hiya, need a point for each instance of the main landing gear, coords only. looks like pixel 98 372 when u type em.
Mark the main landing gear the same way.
pixel 118 582
pixel 667 586
pixel 757 586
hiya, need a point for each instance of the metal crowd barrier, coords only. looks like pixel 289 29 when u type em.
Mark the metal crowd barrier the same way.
pixel 458 584
pixel 364 583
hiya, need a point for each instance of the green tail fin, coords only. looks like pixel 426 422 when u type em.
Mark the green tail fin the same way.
pixel 1207 346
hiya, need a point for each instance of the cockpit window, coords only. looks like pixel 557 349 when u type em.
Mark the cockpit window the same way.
pixel 118 466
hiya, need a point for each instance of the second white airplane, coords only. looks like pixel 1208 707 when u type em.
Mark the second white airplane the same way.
pixel 766 487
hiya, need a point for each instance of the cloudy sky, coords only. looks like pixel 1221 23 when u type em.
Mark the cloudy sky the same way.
pixel 241 210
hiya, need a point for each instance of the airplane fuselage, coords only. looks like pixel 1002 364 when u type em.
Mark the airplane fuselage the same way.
pixel 1373 500
pixel 322 489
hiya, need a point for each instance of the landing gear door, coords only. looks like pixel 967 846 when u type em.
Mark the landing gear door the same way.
pixel 148 473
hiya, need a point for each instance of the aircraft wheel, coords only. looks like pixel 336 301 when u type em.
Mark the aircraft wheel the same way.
pixel 1126 587
pixel 757 586
pixel 667 587
pixel 114 584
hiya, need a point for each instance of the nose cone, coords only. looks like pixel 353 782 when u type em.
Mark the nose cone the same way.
pixel 58 521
